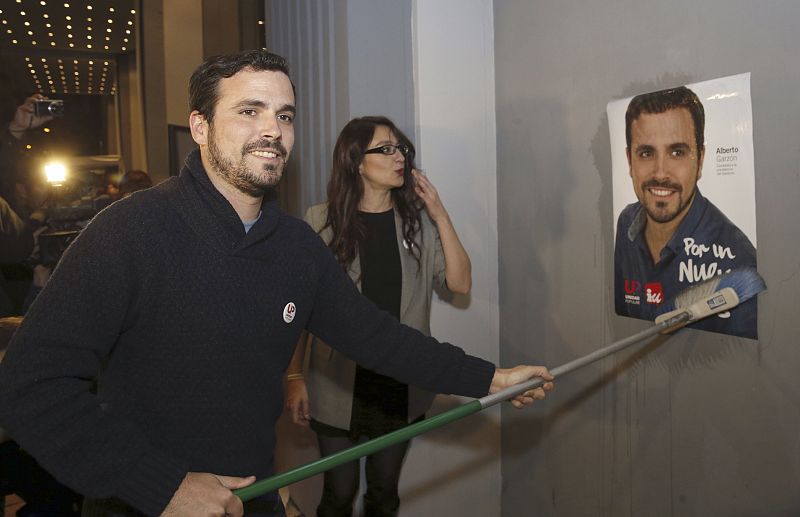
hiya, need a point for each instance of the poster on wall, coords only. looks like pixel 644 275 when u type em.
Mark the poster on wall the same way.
pixel 684 196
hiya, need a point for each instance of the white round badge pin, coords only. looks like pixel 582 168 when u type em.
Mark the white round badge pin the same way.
pixel 289 312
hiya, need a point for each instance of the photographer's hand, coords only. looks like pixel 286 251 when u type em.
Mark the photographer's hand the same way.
pixel 24 118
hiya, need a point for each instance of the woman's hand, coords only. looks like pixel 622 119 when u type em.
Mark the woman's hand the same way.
pixel 457 266
pixel 297 401
pixel 429 195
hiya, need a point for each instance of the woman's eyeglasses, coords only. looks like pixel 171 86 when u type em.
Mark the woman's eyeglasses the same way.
pixel 388 149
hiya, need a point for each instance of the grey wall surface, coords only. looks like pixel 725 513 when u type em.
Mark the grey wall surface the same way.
pixel 698 424
pixel 347 59
pixel 310 34
pixel 381 78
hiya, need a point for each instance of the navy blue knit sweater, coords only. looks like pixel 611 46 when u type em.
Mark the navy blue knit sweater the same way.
pixel 187 313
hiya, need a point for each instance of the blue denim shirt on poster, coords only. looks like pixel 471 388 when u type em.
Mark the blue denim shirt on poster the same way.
pixel 705 244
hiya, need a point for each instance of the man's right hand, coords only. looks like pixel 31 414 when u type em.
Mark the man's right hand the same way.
pixel 207 495
pixel 24 117
pixel 297 402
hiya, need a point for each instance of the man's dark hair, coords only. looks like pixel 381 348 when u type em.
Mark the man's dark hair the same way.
pixel 204 84
pixel 665 100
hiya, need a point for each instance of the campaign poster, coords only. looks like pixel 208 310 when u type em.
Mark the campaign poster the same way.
pixel 683 196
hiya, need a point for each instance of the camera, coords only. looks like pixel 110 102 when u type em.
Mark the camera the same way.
pixel 49 107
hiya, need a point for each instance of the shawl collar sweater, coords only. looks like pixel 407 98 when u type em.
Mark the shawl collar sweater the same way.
pixel 194 322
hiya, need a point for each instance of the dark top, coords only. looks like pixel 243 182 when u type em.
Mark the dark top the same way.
pixel 380 403
pixel 195 322
pixel 16 245
pixel 705 244
pixel 16 236
pixel 12 170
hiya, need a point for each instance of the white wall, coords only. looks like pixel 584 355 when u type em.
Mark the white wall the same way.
pixel 456 470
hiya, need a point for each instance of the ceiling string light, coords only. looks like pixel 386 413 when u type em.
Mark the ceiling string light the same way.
pixel 29 25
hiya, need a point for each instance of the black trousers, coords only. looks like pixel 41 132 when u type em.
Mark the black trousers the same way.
pixel 43 495
pixel 382 471
pixel 266 506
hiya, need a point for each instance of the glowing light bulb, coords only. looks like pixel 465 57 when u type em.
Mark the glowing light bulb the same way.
pixel 55 173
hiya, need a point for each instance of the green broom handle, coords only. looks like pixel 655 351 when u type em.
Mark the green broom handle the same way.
pixel 283 479
pixel 273 483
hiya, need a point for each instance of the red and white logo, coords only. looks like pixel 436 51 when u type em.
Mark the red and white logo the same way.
pixel 632 288
pixel 654 293
pixel 289 312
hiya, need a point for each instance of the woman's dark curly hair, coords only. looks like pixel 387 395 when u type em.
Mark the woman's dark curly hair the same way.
pixel 345 190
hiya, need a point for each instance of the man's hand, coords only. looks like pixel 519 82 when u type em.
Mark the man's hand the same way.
pixel 207 495
pixel 297 401
pixel 507 377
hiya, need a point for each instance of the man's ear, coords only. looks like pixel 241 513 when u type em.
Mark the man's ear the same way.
pixel 700 162
pixel 199 127
pixel 628 156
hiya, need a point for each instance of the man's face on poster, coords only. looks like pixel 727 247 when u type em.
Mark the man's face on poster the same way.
pixel 665 163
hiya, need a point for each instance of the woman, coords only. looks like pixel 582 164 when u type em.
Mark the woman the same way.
pixel 388 229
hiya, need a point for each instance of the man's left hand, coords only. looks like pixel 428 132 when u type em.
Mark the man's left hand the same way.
pixel 507 377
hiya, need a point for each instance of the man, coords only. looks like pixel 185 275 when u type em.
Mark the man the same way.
pixel 193 294
pixel 16 245
pixel 19 214
pixel 15 186
pixel 673 236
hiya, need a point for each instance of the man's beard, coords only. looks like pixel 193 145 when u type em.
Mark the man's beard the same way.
pixel 665 217
pixel 239 175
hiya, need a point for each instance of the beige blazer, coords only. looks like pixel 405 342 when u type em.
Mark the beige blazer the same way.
pixel 330 376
